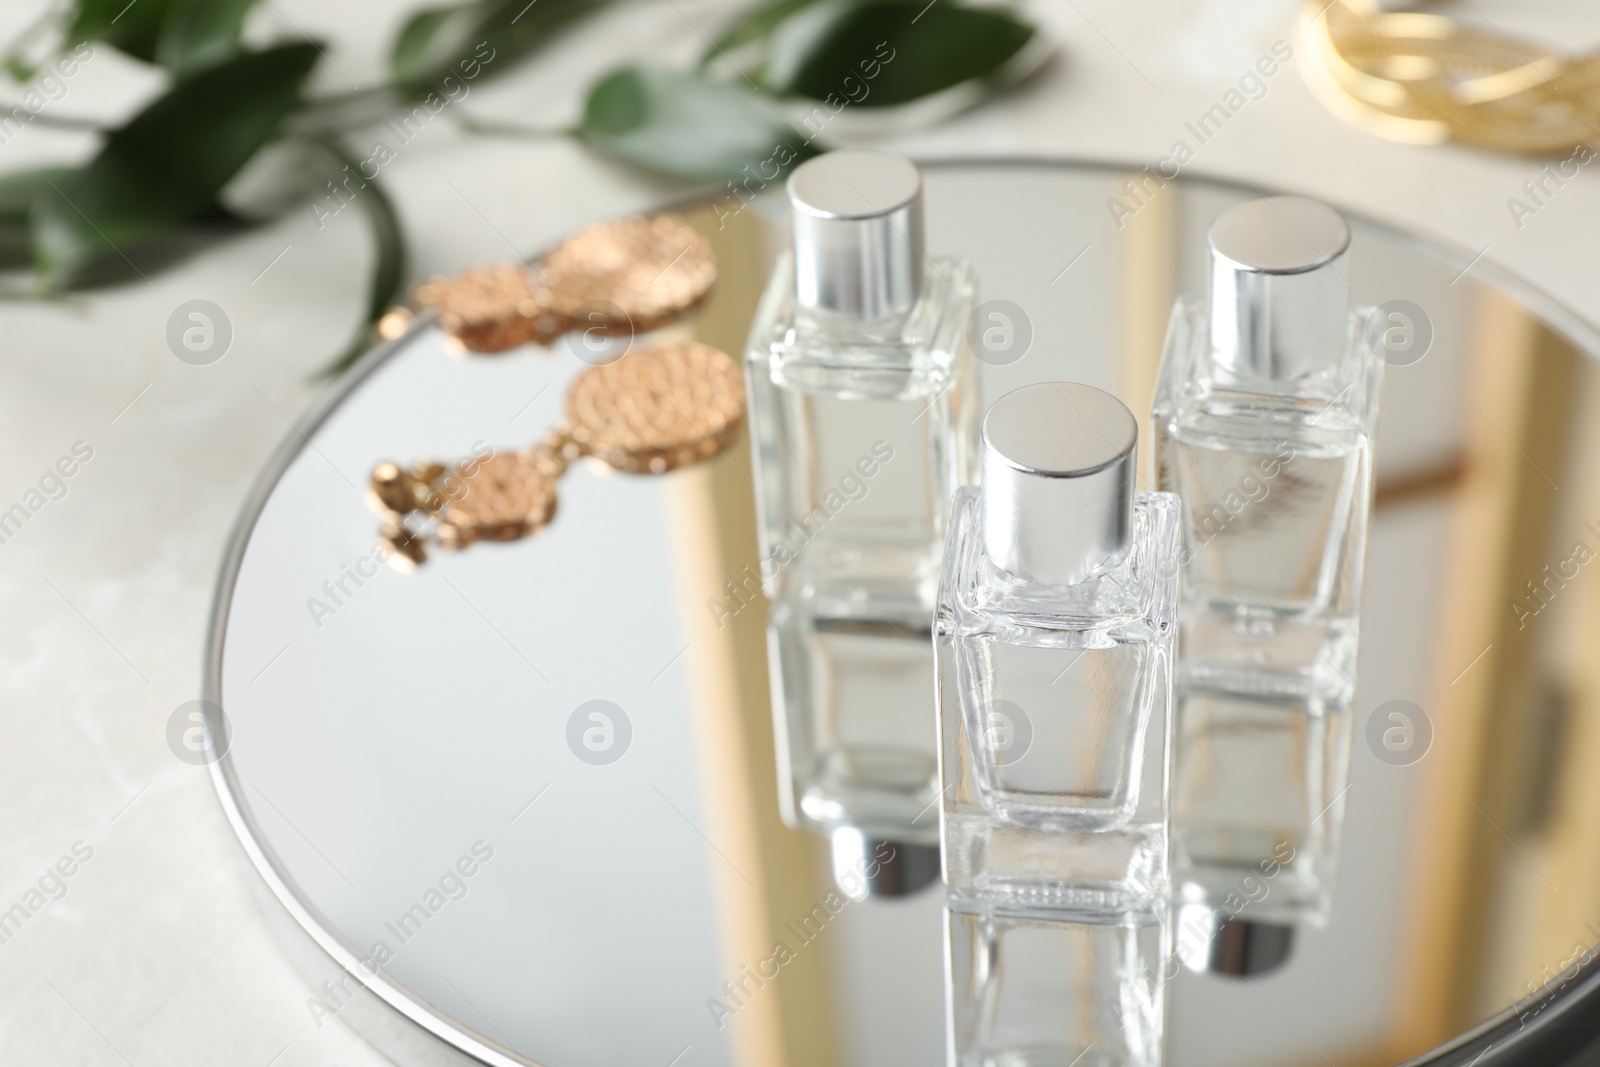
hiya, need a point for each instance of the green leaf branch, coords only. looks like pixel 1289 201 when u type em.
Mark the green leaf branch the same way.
pixel 760 98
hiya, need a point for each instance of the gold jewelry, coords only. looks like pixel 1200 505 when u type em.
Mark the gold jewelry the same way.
pixel 651 411
pixel 676 406
pixel 1426 78
pixel 622 277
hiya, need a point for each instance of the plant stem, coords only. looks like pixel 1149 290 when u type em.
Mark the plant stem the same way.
pixel 387 285
pixel 350 96
pixel 37 296
pixel 58 122
pixel 329 115
pixel 493 128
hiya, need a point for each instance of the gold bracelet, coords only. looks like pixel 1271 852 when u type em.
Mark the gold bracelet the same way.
pixel 1426 78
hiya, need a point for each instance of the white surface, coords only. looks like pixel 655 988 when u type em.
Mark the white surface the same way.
pixel 156 954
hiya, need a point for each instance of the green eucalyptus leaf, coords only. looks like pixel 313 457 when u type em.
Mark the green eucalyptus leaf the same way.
pixel 479 36
pixel 19 69
pixel 689 126
pixel 752 25
pixel 204 128
pixel 389 256
pixel 166 166
pixel 132 27
pixel 180 35
pixel 430 42
pixel 198 33
pixel 888 52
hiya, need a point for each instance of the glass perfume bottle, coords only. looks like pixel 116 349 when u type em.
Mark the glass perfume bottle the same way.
pixel 1024 989
pixel 1054 639
pixel 862 409
pixel 1264 413
pixel 1257 819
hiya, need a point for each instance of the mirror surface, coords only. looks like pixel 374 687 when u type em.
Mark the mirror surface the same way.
pixel 407 749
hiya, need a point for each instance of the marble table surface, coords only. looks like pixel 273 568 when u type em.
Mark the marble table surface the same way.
pixel 153 951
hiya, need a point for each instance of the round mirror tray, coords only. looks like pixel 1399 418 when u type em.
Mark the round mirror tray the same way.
pixel 468 874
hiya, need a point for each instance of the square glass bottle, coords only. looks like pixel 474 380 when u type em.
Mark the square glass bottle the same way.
pixel 1264 415
pixel 855 732
pixel 1054 639
pixel 1265 411
pixel 863 391
pixel 863 421
pixel 1256 802
pixel 1023 989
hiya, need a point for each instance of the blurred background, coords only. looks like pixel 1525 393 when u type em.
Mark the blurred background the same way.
pixel 237 194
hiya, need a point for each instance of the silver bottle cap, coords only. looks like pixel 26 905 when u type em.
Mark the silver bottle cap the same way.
pixel 1278 294
pixel 1210 943
pixel 1058 471
pixel 865 865
pixel 857 223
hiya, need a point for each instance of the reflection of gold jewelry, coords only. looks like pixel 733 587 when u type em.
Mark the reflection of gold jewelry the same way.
pixel 651 411
pixel 648 415
pixel 1427 79
pixel 621 277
